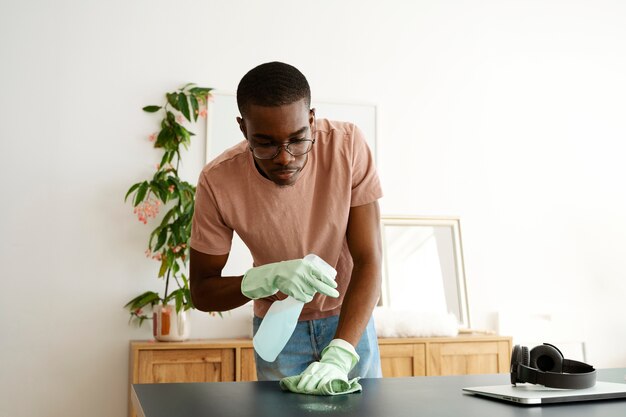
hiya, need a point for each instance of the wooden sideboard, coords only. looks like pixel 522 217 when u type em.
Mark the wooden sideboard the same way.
pixel 218 360
pixel 437 356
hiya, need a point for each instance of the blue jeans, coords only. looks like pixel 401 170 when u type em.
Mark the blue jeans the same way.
pixel 306 344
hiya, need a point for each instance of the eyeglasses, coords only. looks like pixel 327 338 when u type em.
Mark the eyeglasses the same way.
pixel 271 151
pixel 295 148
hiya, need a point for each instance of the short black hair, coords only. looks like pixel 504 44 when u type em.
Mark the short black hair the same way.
pixel 272 84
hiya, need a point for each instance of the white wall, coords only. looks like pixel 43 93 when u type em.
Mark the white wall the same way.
pixel 509 114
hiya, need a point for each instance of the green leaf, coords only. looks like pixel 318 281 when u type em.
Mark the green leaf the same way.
pixel 154 233
pixel 142 300
pixel 159 188
pixel 170 257
pixel 183 105
pixel 154 188
pixel 171 157
pixel 152 109
pixel 161 239
pixel 181 131
pixel 141 193
pixel 184 136
pixel 133 188
pixel 165 159
pixel 164 266
pixel 179 300
pixel 175 233
pixel 172 98
pixel 201 91
pixel 195 107
pixel 164 195
pixel 186 85
pixel 165 137
pixel 188 299
pixel 167 217
pixel 160 175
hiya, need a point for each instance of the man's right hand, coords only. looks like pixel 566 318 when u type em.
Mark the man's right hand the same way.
pixel 298 278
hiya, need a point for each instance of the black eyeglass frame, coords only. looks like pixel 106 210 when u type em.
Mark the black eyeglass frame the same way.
pixel 286 146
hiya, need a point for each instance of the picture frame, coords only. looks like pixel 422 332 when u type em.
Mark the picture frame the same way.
pixel 423 265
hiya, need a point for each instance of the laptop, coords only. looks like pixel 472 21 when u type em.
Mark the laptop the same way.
pixel 538 394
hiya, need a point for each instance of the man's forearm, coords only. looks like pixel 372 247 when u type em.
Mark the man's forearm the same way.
pixel 359 302
pixel 217 293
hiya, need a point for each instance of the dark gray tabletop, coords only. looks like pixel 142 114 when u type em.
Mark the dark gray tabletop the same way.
pixel 386 397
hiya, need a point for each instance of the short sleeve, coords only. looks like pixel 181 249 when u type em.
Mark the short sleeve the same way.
pixel 209 233
pixel 365 182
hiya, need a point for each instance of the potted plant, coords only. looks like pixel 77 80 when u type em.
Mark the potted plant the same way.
pixel 169 241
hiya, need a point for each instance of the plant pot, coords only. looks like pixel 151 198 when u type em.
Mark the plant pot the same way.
pixel 168 325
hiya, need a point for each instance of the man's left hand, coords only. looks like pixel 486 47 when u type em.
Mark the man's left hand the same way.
pixel 330 374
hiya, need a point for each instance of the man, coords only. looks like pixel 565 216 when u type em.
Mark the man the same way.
pixel 295 186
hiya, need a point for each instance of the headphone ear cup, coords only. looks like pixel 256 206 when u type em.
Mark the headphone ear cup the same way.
pixel 520 356
pixel 525 356
pixel 516 357
pixel 546 358
pixel 516 353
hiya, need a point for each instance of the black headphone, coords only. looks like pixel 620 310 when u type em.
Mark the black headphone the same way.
pixel 545 365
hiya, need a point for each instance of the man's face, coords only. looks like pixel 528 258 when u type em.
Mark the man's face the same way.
pixel 279 125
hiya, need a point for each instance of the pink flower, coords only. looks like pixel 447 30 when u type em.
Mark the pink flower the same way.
pixel 152 137
pixel 202 112
pixel 171 188
pixel 146 209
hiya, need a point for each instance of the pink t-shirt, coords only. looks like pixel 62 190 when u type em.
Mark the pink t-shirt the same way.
pixel 279 223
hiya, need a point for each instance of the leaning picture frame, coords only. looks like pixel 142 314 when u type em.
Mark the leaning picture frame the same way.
pixel 423 265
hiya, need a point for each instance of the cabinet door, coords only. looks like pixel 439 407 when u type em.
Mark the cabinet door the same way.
pixel 398 360
pixel 461 358
pixel 186 365
pixel 248 366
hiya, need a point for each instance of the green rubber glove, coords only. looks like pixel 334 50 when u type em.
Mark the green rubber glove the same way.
pixel 329 376
pixel 298 278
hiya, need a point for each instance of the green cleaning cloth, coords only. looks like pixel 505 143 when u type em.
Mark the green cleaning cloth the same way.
pixel 332 387
pixel 329 376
